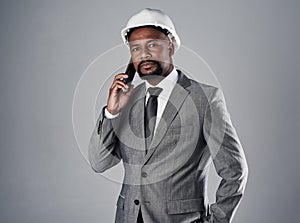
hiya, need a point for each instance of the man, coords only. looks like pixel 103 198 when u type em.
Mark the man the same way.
pixel 165 131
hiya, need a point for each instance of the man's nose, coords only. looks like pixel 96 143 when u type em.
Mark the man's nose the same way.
pixel 145 54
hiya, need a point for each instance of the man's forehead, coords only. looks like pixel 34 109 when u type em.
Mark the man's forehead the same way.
pixel 146 41
pixel 146 33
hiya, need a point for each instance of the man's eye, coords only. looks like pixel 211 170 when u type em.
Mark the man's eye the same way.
pixel 135 49
pixel 151 45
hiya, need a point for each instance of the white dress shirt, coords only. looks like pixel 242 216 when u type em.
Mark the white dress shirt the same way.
pixel 167 84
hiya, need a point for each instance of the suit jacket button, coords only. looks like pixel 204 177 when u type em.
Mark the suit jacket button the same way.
pixel 144 174
pixel 137 202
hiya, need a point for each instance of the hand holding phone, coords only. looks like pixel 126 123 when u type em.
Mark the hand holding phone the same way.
pixel 121 90
pixel 130 71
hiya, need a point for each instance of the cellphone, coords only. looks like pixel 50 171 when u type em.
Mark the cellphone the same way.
pixel 130 71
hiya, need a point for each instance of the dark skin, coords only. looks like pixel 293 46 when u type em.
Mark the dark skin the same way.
pixel 146 45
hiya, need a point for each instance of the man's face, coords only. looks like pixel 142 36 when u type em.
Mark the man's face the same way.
pixel 151 52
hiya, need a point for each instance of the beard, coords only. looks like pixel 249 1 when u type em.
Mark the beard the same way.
pixel 158 72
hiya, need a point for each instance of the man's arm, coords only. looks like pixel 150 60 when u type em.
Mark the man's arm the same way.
pixel 228 158
pixel 104 151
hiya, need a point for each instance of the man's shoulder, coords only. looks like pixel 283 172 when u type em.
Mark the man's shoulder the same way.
pixel 198 87
pixel 205 87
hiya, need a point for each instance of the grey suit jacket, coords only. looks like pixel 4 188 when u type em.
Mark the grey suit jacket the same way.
pixel 169 182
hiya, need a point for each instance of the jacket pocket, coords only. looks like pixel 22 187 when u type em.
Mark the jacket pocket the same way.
pixel 185 206
pixel 182 130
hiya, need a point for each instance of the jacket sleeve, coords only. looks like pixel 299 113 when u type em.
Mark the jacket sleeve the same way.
pixel 104 151
pixel 228 158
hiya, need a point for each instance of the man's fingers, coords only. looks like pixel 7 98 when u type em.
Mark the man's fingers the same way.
pixel 118 84
pixel 129 90
pixel 119 76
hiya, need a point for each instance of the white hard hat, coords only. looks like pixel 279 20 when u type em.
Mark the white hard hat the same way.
pixel 153 17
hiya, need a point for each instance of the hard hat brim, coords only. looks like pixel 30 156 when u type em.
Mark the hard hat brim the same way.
pixel 173 33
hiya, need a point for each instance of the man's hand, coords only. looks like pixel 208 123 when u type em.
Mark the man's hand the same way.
pixel 119 94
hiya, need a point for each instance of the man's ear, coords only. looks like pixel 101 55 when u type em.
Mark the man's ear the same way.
pixel 171 49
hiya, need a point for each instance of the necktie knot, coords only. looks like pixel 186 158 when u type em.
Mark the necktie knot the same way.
pixel 154 91
pixel 150 114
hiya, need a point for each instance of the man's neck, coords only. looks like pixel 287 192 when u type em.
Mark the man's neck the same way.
pixel 156 80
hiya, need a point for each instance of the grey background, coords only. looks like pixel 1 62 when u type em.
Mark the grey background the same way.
pixel 252 46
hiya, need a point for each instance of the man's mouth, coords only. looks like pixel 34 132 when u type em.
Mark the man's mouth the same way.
pixel 146 65
pixel 149 68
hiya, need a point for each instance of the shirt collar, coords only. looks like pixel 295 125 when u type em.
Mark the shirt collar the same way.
pixel 167 84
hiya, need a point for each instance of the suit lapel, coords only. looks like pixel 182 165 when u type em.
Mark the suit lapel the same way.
pixel 136 117
pixel 177 97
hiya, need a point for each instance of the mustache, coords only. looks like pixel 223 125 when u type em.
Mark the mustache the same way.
pixel 147 61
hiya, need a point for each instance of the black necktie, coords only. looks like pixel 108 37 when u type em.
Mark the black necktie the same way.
pixel 150 114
